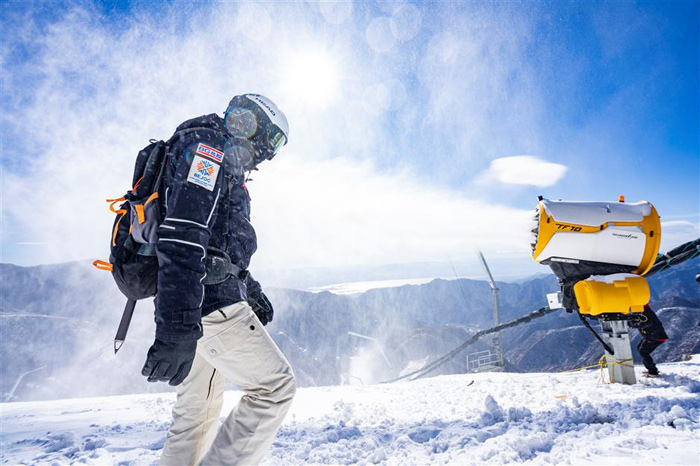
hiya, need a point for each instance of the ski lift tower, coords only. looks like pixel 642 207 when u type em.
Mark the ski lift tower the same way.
pixel 496 310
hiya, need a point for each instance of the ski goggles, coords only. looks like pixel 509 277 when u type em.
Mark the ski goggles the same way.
pixel 250 122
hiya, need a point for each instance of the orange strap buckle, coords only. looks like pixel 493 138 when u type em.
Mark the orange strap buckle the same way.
pixel 102 265
pixel 140 213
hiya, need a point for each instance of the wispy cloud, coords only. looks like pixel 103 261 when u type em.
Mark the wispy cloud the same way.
pixel 341 212
pixel 677 232
pixel 696 215
pixel 353 185
pixel 679 224
pixel 524 170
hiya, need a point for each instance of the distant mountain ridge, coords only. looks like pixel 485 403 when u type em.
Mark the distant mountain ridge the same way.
pixel 61 319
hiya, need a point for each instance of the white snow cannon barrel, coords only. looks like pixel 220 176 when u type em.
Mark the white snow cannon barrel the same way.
pixel 578 240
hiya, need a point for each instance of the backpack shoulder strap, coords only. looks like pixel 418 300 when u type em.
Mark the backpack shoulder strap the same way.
pixel 165 145
pixel 178 134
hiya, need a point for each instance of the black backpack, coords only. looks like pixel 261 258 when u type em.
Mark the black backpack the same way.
pixel 132 258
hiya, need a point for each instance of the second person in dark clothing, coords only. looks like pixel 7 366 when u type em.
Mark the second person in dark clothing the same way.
pixel 653 335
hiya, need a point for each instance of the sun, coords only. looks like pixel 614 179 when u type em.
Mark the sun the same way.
pixel 311 75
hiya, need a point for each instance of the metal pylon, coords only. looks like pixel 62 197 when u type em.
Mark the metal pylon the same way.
pixel 620 364
pixel 496 310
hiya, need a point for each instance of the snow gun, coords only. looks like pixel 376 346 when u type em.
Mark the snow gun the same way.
pixel 600 251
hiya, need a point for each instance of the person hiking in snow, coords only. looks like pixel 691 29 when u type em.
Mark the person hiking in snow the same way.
pixel 653 335
pixel 210 312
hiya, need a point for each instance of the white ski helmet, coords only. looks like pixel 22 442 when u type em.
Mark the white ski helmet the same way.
pixel 257 119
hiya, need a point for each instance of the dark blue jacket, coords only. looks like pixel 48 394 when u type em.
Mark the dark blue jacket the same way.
pixel 206 205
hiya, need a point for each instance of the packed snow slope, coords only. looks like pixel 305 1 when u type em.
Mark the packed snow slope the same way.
pixel 488 418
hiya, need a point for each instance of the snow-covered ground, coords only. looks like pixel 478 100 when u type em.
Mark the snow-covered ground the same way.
pixel 490 418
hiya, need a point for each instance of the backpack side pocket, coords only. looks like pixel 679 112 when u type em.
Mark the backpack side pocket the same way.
pixel 145 216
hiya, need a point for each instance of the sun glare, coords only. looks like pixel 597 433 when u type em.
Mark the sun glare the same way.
pixel 311 76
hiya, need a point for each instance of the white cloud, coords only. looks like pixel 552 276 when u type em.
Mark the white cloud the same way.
pixel 341 212
pixel 679 224
pixel 97 95
pixel 524 170
pixel 677 232
pixel 695 215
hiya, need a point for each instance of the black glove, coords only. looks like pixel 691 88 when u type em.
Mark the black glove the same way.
pixel 261 306
pixel 169 361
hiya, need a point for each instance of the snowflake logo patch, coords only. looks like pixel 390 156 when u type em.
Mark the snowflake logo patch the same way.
pixel 205 168
pixel 203 172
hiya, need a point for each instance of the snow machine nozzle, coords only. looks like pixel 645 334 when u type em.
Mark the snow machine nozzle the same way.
pixel 598 250
pixel 595 237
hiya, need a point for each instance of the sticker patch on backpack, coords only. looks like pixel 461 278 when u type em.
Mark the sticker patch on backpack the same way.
pixel 210 152
pixel 203 172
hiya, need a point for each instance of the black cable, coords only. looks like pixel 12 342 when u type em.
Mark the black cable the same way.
pixel 663 262
pixel 450 355
pixel 675 256
pixel 595 334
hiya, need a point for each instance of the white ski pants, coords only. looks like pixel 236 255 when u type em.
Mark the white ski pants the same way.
pixel 235 346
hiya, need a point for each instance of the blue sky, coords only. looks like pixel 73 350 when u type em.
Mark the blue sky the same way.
pixel 406 118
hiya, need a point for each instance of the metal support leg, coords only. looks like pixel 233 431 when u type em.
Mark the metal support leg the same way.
pixel 621 364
